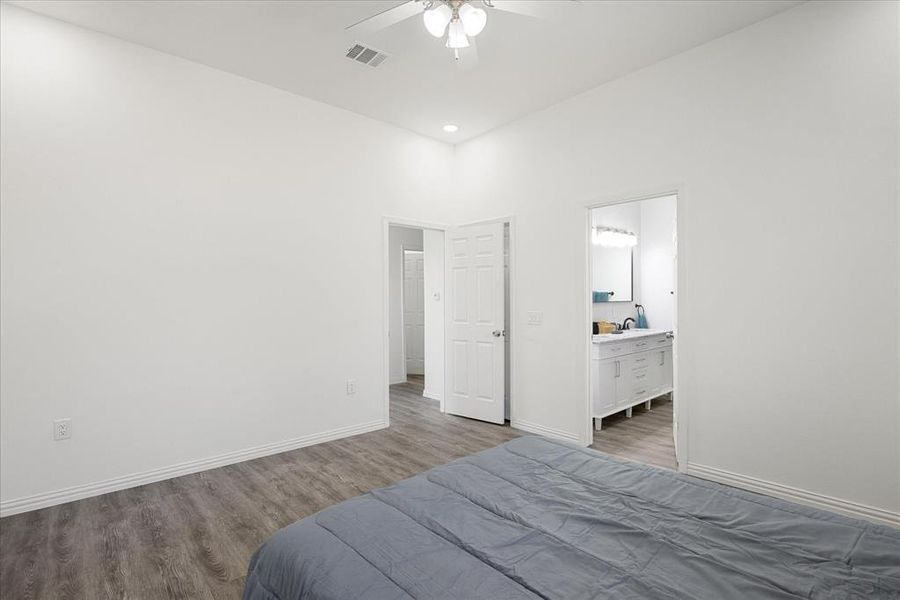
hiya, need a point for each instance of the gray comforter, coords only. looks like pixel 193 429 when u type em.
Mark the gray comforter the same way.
pixel 535 518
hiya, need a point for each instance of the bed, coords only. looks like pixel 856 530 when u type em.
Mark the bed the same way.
pixel 535 518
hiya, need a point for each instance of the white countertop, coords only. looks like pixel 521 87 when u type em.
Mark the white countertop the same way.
pixel 628 334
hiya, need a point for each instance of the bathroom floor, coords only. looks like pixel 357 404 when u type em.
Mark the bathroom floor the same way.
pixel 646 437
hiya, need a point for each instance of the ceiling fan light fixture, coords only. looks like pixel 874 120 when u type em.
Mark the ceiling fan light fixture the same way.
pixel 473 19
pixel 437 18
pixel 456 36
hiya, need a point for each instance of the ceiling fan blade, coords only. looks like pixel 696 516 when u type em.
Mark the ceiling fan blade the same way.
pixel 468 57
pixel 529 8
pixel 386 18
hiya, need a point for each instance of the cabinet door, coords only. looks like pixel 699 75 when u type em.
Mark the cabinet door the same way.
pixel 624 380
pixel 655 373
pixel 666 366
pixel 603 385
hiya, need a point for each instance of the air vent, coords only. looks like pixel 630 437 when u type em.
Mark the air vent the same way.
pixel 365 55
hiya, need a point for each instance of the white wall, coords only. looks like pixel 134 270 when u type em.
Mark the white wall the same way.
pixel 399 238
pixel 171 280
pixel 433 242
pixel 657 258
pixel 784 137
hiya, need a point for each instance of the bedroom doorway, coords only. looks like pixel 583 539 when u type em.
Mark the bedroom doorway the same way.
pixel 415 287
pixel 632 281
pixel 447 307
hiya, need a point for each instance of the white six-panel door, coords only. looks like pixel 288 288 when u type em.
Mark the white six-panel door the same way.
pixel 475 313
pixel 414 311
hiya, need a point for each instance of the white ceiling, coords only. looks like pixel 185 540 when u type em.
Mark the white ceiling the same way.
pixel 525 63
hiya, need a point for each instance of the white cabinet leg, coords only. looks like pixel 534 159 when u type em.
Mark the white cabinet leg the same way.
pixel 598 423
pixel 628 412
pixel 647 404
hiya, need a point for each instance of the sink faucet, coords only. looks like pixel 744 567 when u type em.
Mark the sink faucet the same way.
pixel 625 323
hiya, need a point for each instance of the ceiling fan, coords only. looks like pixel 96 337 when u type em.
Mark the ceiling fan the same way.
pixel 459 20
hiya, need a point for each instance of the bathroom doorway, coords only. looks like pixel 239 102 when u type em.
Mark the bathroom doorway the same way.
pixel 632 293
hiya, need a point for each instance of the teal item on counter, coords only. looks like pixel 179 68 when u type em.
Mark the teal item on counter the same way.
pixel 601 296
pixel 641 317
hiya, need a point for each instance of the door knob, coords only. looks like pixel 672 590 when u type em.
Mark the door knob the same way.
pixel 497 332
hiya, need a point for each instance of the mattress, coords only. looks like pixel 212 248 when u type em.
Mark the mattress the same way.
pixel 536 518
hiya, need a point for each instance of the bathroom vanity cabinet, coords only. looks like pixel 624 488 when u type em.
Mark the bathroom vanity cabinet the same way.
pixel 629 369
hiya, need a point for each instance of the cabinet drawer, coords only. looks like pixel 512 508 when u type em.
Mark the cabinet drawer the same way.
pixel 641 390
pixel 638 377
pixel 642 344
pixel 641 378
pixel 641 361
pixel 610 349
pixel 650 342
pixel 621 348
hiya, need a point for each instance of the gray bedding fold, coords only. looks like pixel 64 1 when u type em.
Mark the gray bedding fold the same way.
pixel 535 518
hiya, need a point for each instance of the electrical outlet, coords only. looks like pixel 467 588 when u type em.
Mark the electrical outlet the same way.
pixel 351 387
pixel 62 429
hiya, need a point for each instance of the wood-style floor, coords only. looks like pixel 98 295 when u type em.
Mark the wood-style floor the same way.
pixel 192 537
pixel 646 437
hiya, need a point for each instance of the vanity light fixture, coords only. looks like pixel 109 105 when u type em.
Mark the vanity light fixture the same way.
pixel 613 238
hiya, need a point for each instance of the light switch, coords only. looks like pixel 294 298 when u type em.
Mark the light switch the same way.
pixel 535 317
pixel 436 296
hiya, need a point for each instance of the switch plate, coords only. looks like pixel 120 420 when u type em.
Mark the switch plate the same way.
pixel 535 317
pixel 351 387
pixel 62 429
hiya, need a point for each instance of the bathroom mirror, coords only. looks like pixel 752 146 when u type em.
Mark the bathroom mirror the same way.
pixel 611 279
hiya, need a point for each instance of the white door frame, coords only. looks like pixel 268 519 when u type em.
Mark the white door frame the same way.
pixel 386 316
pixel 387 221
pixel 681 290
pixel 511 333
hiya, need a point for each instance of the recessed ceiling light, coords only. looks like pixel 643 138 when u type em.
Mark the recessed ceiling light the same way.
pixel 450 128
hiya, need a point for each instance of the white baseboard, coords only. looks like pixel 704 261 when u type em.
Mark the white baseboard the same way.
pixel 396 380
pixel 786 492
pixel 544 431
pixel 20 505
pixel 431 395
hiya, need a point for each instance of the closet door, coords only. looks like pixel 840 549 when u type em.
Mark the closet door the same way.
pixel 414 311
